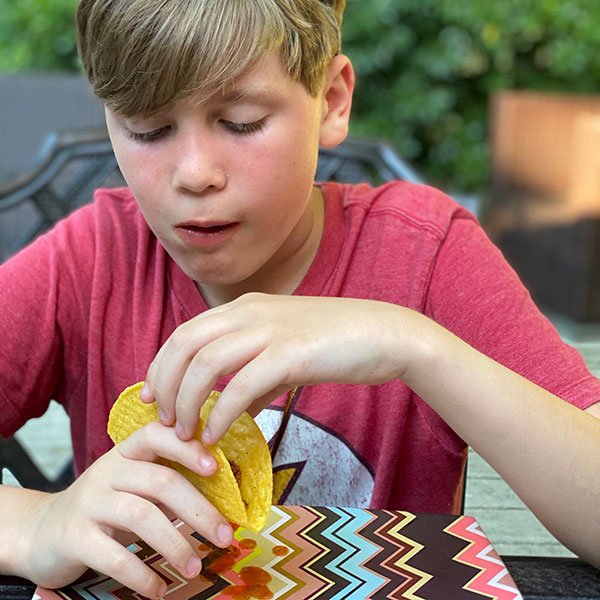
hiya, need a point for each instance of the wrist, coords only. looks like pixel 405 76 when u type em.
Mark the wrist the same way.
pixel 421 347
pixel 22 511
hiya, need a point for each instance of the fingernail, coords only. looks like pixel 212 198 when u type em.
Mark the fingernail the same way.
pixel 224 534
pixel 162 591
pixel 145 392
pixel 162 415
pixel 194 566
pixel 207 436
pixel 179 430
pixel 207 462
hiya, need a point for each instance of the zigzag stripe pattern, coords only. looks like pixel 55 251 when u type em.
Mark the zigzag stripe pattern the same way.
pixel 363 555
pixel 331 553
pixel 358 551
pixel 290 568
pixel 405 548
pixel 493 579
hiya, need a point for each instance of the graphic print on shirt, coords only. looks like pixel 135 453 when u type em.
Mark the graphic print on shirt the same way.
pixel 314 467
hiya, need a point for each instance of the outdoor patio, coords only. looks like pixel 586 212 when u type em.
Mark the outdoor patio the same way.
pixel 505 519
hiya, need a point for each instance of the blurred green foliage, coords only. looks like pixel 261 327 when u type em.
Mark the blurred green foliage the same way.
pixel 37 35
pixel 426 68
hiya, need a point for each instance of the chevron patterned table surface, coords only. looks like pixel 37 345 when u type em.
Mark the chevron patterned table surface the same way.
pixel 310 552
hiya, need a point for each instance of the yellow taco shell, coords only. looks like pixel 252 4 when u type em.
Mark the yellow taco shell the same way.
pixel 242 487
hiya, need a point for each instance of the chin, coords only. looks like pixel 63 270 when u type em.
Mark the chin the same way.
pixel 204 277
pixel 206 274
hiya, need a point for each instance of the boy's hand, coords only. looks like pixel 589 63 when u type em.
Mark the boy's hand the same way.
pixel 120 494
pixel 274 343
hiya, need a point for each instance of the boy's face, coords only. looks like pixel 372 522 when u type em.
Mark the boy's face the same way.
pixel 227 186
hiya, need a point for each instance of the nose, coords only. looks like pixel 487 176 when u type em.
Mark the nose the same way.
pixel 198 168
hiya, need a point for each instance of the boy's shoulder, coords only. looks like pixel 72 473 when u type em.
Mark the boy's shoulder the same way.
pixel 116 200
pixel 112 221
pixel 113 210
pixel 416 205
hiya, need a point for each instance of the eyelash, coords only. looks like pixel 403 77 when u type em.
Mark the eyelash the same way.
pixel 238 128
pixel 244 128
pixel 147 137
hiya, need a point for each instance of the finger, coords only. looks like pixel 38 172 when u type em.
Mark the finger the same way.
pixel 170 489
pixel 160 385
pixel 260 403
pixel 168 368
pixel 261 377
pixel 224 355
pixel 131 513
pixel 109 557
pixel 154 441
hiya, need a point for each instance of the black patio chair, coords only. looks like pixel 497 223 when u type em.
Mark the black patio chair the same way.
pixel 71 164
pixel 67 169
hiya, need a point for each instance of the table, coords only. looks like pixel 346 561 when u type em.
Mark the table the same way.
pixel 554 578
pixel 538 579
pixel 355 553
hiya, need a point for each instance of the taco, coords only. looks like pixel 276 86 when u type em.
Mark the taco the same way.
pixel 242 487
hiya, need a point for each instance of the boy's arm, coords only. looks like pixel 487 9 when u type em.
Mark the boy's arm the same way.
pixel 16 527
pixel 545 448
pixel 594 410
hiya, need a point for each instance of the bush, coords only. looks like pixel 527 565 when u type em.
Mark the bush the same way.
pixel 426 68
pixel 37 35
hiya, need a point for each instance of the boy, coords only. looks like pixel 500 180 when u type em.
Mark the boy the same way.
pixel 224 265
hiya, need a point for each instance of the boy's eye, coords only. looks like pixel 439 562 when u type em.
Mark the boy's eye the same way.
pixel 147 136
pixel 244 128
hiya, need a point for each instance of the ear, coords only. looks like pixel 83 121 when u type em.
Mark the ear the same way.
pixel 337 101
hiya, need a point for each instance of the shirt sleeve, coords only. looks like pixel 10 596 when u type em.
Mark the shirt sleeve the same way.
pixel 42 294
pixel 475 294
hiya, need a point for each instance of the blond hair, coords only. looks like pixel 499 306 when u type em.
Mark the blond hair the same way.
pixel 141 55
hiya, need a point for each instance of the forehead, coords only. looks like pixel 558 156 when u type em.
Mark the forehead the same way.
pixel 268 73
pixel 265 80
pixel 266 83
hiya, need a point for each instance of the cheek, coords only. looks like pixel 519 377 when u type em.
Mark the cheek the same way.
pixel 140 168
pixel 287 157
pixel 140 165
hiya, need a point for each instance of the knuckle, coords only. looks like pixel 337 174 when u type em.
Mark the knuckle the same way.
pixel 118 564
pixel 180 548
pixel 151 430
pixel 241 383
pixel 146 435
pixel 203 512
pixel 164 478
pixel 204 361
pixel 252 299
pixel 151 370
pixel 181 340
pixel 138 512
pixel 245 298
pixel 159 388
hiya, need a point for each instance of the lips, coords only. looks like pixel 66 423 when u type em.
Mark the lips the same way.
pixel 206 233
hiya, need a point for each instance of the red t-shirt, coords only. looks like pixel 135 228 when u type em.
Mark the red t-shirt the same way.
pixel 85 308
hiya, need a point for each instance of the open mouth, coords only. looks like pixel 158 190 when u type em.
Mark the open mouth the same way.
pixel 214 229
pixel 206 235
